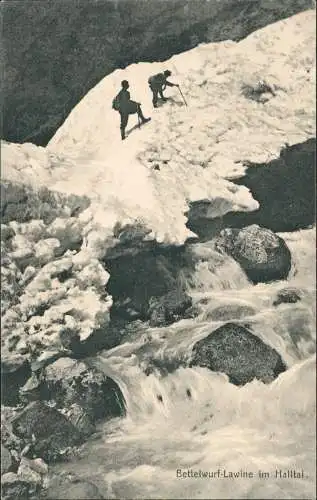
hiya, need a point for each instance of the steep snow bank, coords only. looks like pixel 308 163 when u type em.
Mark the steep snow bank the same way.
pixel 96 37
pixel 245 100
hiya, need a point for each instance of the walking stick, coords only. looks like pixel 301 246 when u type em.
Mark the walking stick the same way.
pixel 181 93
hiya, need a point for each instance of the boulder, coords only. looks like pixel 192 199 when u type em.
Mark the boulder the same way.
pixel 49 431
pixel 75 489
pixel 70 381
pixel 235 351
pixel 262 254
pixel 169 308
pixel 18 488
pixel 6 460
pixel 287 296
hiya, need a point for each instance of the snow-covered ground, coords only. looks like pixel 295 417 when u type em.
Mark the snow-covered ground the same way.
pixel 194 148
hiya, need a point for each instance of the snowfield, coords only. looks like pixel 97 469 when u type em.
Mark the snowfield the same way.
pixel 245 101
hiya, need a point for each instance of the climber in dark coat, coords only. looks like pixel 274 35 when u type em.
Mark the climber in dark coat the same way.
pixel 158 83
pixel 127 107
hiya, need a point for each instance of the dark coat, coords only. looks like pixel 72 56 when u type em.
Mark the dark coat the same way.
pixel 127 106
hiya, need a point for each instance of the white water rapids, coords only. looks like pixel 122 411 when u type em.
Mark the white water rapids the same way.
pixel 194 421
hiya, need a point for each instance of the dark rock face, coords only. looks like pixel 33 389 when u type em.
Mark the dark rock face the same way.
pixel 71 382
pixel 284 188
pixel 284 205
pixel 137 279
pixel 54 53
pixel 74 489
pixel 169 308
pixel 52 431
pixel 287 296
pixel 234 350
pixel 263 255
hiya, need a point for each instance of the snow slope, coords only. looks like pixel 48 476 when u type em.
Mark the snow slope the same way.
pixel 195 149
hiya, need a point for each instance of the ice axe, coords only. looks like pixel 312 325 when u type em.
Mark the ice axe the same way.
pixel 181 93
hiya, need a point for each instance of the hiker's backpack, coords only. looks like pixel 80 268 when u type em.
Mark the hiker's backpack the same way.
pixel 116 103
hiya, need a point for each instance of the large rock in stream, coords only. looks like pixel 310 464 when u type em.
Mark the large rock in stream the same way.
pixel 83 394
pixel 262 254
pixel 72 382
pixel 235 351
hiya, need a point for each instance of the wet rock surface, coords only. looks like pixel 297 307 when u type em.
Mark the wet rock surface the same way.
pixel 237 352
pixel 263 255
pixel 48 431
pixel 71 382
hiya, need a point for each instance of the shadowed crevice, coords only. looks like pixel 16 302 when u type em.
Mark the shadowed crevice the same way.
pixel 284 188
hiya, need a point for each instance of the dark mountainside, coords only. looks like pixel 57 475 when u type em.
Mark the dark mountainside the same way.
pixel 54 52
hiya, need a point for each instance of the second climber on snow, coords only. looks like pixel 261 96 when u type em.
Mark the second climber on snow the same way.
pixel 158 83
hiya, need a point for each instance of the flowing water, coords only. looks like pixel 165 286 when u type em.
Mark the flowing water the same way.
pixel 193 422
